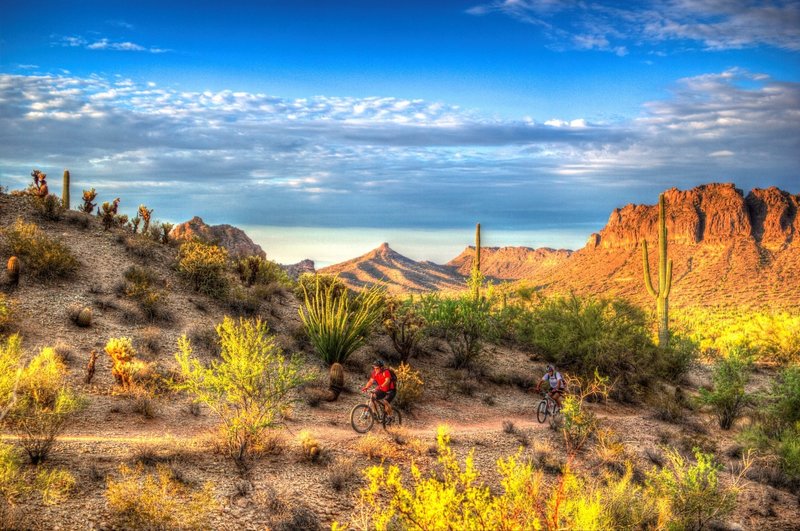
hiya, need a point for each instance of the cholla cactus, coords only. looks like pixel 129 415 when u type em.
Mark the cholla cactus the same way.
pixel 125 365
pixel 39 188
pixel 88 196
pixel 135 224
pixel 108 213
pixel 145 214
pixel 166 228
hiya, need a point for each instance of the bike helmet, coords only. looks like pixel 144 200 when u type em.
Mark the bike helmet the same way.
pixel 549 368
pixel 377 363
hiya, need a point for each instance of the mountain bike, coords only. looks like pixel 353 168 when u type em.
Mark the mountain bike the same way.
pixel 547 408
pixel 363 416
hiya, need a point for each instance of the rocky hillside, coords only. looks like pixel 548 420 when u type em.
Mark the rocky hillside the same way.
pixel 233 239
pixel 727 248
pixel 510 263
pixel 397 272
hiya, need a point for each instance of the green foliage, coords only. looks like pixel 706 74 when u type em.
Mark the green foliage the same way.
pixel 693 493
pixel 588 334
pixel 307 285
pixel 55 484
pixel 203 265
pixel 777 423
pixel 579 423
pixel 159 501
pixel 42 256
pixel 142 287
pixel 728 396
pixel 6 311
pixel 337 324
pixel 166 228
pixel 404 326
pixel 10 372
pixel 771 336
pixel 248 388
pixel 256 270
pixel 410 386
pixel 462 321
pixel 44 403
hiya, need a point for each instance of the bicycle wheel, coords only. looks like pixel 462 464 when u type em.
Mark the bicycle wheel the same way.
pixel 542 412
pixel 361 418
pixel 395 419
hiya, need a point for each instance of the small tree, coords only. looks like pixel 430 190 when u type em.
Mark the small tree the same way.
pixel 336 324
pixel 403 325
pixel 44 403
pixel 248 388
pixel 728 397
pixel 463 322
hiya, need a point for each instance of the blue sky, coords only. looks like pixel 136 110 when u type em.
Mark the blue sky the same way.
pixel 400 120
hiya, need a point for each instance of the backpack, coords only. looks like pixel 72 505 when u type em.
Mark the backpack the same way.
pixel 392 377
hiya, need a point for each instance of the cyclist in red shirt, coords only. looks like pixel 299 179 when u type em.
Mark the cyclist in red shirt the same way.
pixel 385 390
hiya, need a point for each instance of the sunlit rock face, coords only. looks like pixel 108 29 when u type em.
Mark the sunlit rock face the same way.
pixel 710 214
pixel 231 238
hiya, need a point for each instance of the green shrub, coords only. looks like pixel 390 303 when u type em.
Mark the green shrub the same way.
pixel 49 207
pixel 44 404
pixel 55 484
pixel 728 396
pixel 256 270
pixel 143 500
pixel 409 386
pixel 42 257
pixel 462 321
pixel 307 285
pixel 693 492
pixel 248 388
pixel 404 326
pixel 587 334
pixel 6 311
pixel 141 286
pixel 203 265
pixel 337 324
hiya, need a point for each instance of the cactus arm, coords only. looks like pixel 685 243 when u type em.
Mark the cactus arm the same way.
pixel 646 263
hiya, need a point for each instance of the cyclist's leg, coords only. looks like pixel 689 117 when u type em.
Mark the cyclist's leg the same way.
pixel 381 397
pixel 556 394
pixel 388 401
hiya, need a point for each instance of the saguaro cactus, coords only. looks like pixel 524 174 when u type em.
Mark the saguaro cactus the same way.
pixel 65 190
pixel 664 275
pixel 475 277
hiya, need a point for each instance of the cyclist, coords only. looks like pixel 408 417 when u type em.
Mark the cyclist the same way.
pixel 557 384
pixel 385 390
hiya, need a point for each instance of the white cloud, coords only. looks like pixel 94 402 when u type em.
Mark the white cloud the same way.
pixel 337 160
pixel 76 41
pixel 716 25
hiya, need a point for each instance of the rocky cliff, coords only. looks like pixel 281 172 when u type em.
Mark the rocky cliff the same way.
pixel 727 248
pixel 233 239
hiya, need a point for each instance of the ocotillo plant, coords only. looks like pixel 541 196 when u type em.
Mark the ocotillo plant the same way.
pixel 476 279
pixel 664 275
pixel 65 190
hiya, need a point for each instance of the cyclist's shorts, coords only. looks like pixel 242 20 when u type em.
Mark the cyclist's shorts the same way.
pixel 388 395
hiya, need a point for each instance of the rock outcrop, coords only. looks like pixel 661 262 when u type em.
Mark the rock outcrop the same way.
pixel 727 249
pixel 300 268
pixel 231 238
pixel 709 214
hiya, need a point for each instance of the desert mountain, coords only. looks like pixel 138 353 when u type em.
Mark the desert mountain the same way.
pixel 397 272
pixel 727 248
pixel 233 239
pixel 510 263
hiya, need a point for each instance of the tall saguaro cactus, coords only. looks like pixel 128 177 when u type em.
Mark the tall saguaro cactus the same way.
pixel 664 275
pixel 65 190
pixel 476 278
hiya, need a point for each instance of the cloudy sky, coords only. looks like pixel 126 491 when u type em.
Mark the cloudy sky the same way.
pixel 325 128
